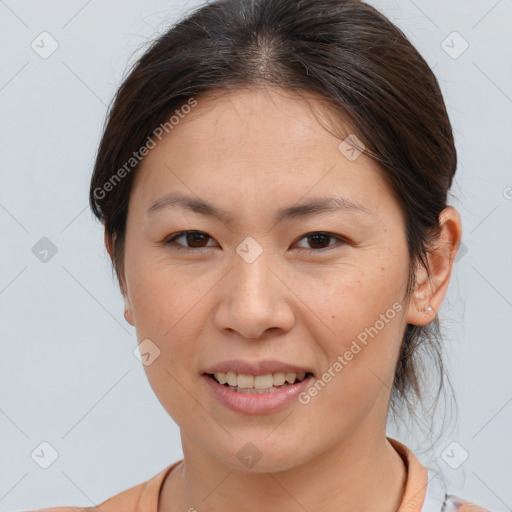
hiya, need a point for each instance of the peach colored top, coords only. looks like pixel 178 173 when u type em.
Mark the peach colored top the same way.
pixel 424 492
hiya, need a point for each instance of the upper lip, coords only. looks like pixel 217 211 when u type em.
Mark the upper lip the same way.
pixel 240 366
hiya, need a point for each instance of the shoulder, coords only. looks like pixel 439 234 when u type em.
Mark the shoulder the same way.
pixel 457 504
pixel 140 497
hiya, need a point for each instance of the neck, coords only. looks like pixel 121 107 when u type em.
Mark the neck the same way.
pixel 362 473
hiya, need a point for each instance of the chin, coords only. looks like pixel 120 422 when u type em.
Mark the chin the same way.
pixel 262 466
pixel 261 457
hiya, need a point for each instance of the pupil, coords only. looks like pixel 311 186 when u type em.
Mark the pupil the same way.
pixel 193 238
pixel 321 235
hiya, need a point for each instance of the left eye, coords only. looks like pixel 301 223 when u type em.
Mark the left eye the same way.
pixel 196 239
pixel 321 238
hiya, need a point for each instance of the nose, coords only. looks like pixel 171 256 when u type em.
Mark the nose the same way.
pixel 254 300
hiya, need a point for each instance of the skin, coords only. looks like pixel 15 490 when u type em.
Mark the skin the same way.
pixel 252 152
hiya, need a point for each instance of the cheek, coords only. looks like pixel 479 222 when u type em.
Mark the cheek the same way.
pixel 349 297
pixel 165 310
pixel 161 296
pixel 360 357
pixel 359 326
pixel 168 306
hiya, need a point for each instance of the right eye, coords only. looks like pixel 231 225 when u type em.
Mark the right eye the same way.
pixel 196 240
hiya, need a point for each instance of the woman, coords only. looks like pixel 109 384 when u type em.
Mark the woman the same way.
pixel 272 181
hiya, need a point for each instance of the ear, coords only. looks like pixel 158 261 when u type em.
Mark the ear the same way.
pixel 431 292
pixel 128 311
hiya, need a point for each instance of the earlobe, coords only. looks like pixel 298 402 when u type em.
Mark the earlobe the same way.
pixel 431 287
pixel 128 312
pixel 418 311
pixel 109 244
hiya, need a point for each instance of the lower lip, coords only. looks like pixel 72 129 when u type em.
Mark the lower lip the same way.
pixel 256 403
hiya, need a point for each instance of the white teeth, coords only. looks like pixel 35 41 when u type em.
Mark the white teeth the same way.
pixel 232 378
pixel 279 378
pixel 270 381
pixel 221 377
pixel 290 377
pixel 248 381
pixel 260 381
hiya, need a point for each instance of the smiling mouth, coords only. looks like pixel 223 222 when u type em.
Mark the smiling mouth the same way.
pixel 258 383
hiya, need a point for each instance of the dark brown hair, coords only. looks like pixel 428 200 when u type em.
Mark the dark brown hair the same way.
pixel 344 51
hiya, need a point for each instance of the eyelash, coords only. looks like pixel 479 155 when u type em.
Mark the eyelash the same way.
pixel 168 241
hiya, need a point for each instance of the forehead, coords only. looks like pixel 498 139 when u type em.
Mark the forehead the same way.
pixel 267 116
pixel 256 143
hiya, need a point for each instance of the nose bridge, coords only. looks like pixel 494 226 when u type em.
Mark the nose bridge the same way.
pixel 254 301
pixel 253 278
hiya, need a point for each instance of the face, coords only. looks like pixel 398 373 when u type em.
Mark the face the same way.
pixel 315 290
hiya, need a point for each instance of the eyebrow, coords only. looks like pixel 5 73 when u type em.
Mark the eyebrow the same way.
pixel 313 207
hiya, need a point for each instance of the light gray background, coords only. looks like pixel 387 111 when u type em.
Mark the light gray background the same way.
pixel 67 369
